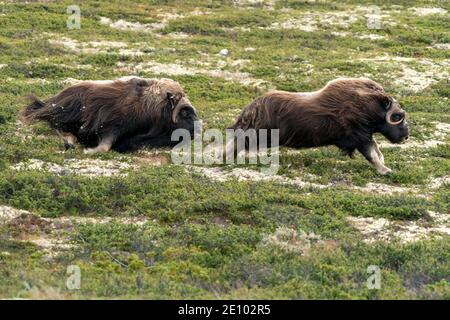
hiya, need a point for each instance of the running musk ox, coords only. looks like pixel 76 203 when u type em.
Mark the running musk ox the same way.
pixel 124 114
pixel 345 113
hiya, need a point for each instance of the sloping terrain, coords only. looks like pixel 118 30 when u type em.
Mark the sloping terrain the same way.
pixel 138 226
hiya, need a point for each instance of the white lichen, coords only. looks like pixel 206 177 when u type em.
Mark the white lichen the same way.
pixel 85 167
pixel 291 240
pixel 174 69
pixel 428 11
pixel 382 229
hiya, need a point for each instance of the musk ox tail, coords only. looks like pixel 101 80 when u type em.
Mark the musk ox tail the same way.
pixel 31 113
pixel 61 112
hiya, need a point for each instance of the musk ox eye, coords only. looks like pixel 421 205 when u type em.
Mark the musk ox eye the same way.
pixel 184 113
pixel 396 117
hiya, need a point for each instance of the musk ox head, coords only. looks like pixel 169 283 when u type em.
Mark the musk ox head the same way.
pixel 168 100
pixel 376 108
pixel 394 126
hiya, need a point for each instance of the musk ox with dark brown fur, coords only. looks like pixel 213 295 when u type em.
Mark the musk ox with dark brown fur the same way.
pixel 123 114
pixel 345 113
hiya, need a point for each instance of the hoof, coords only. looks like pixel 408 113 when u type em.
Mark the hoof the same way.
pixel 385 171
pixel 68 146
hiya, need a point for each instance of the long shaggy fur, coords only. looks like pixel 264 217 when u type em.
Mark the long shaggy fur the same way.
pixel 345 113
pixel 122 109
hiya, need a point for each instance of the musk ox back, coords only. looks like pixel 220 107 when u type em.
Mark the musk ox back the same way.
pixel 124 114
pixel 345 113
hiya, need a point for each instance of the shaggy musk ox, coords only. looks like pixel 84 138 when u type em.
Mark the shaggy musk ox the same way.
pixel 345 113
pixel 123 114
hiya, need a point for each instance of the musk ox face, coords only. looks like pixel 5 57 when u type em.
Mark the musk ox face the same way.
pixel 394 127
pixel 184 114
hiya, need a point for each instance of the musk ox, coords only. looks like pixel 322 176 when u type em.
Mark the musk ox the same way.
pixel 345 113
pixel 123 114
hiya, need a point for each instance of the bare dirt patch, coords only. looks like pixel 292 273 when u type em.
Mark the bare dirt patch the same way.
pixel 381 229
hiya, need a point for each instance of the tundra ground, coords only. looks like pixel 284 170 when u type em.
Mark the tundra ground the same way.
pixel 138 226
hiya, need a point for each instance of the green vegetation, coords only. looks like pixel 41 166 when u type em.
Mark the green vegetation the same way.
pixel 202 238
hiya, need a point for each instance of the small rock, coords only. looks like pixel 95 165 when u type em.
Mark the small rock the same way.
pixel 224 52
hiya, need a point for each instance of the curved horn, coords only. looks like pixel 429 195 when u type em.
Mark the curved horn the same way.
pixel 391 110
pixel 184 102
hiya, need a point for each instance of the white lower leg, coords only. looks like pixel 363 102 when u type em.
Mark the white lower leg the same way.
pixel 377 162
pixel 377 149
pixel 68 139
pixel 104 146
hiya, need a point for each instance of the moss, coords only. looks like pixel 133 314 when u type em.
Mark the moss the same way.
pixel 199 238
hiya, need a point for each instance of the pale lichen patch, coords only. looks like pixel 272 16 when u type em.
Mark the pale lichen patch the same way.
pixel 428 11
pixel 267 4
pixel 386 189
pixel 370 36
pixel 132 26
pixel 98 47
pixel 291 240
pixel 9 213
pixel 441 46
pixel 164 19
pixel 438 182
pixel 174 69
pixel 242 174
pixel 85 167
pixel 415 74
pixel 382 229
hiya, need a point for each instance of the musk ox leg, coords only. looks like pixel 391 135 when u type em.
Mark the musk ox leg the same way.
pixel 371 152
pixel 68 138
pixel 377 149
pixel 104 146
